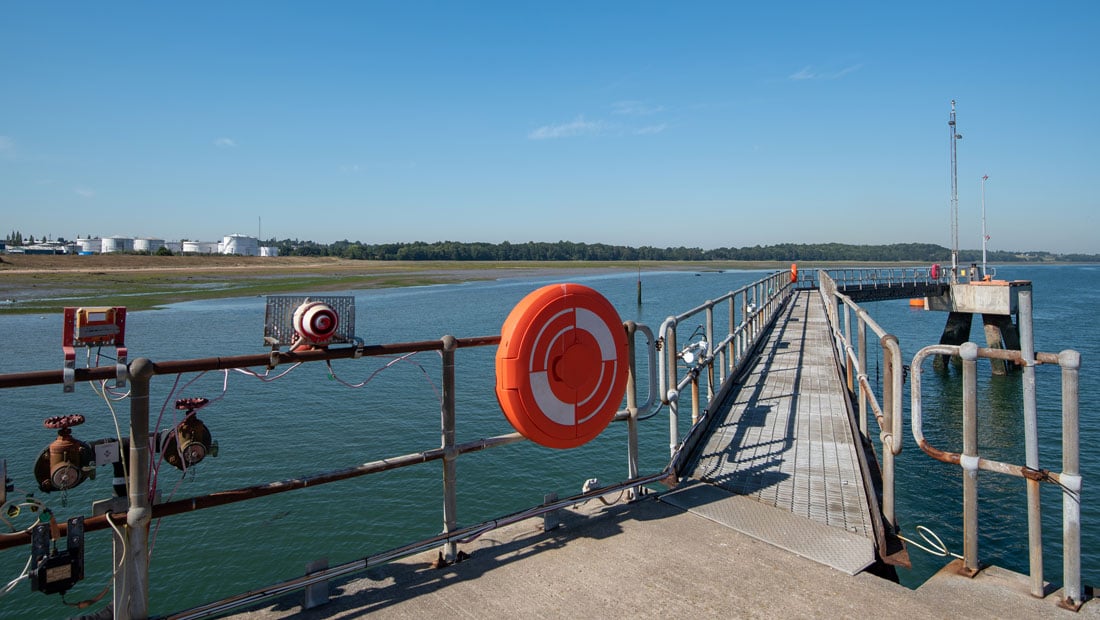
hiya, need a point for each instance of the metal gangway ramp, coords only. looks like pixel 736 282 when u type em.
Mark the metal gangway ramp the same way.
pixel 780 461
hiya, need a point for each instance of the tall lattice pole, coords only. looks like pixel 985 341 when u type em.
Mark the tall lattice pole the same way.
pixel 985 237
pixel 955 135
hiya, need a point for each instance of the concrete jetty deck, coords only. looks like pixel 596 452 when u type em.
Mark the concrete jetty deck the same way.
pixel 650 559
pixel 771 522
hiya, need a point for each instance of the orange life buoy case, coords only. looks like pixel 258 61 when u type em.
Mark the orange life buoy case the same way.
pixel 561 365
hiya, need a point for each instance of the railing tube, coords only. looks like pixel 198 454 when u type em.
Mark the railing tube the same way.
pixel 1070 361
pixel 710 343
pixel 631 408
pixel 731 346
pixel 968 351
pixel 450 454
pixel 849 375
pixel 131 583
pixel 1031 442
pixel 863 366
pixel 892 423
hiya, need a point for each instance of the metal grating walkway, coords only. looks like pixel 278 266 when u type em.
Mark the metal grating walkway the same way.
pixel 786 442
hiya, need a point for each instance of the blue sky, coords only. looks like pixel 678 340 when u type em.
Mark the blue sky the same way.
pixel 701 124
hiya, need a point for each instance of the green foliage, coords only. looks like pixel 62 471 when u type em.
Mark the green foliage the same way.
pixel 570 251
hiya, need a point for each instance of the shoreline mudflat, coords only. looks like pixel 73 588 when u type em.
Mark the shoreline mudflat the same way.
pixel 44 283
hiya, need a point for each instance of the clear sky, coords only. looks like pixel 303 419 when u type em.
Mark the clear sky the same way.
pixel 699 124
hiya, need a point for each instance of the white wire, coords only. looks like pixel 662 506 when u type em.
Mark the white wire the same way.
pixel 266 376
pixel 14 582
pixel 122 559
pixel 930 537
pixel 403 358
pixel 118 430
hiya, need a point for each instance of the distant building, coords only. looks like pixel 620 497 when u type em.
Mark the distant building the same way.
pixel 52 247
pixel 241 245
pixel 117 244
pixel 147 244
pixel 91 245
pixel 200 247
pixel 234 244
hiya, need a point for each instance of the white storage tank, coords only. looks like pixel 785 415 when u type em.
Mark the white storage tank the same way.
pixel 174 247
pixel 147 244
pixel 191 247
pixel 242 245
pixel 91 245
pixel 268 250
pixel 208 247
pixel 117 244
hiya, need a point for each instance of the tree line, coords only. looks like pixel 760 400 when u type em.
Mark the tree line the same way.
pixel 571 251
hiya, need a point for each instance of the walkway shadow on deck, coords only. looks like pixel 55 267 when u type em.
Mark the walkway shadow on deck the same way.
pixel 711 466
pixel 384 586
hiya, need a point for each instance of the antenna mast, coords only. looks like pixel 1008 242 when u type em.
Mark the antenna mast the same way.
pixel 955 135
pixel 985 237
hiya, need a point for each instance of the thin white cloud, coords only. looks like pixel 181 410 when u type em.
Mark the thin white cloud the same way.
pixel 650 129
pixel 808 73
pixel 84 192
pixel 803 74
pixel 225 143
pixel 7 147
pixel 576 127
pixel 635 108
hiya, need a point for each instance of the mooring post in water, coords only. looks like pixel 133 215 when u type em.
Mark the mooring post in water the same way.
pixel 131 583
pixel 450 471
pixel 956 332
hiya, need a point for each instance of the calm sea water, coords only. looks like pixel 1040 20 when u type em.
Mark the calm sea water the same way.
pixel 308 422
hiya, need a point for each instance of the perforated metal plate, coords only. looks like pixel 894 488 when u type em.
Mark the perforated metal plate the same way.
pixel 826 545
pixel 279 318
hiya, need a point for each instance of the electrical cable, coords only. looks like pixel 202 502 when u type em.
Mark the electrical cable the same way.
pixel 393 361
pixel 939 549
pixel 265 377
pixel 14 582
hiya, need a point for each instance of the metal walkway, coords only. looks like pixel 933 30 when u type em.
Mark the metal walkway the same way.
pixel 781 458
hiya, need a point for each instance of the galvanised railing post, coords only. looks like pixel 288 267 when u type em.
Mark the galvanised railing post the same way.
pixel 742 335
pixel 450 454
pixel 694 396
pixel 1031 442
pixel 863 368
pixel 710 343
pixel 1070 361
pixel 673 395
pixel 892 420
pixel 848 358
pixel 968 351
pixel 731 346
pixel 131 584
pixel 631 408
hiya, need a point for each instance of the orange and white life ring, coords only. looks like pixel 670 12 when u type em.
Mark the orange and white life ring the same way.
pixel 935 271
pixel 315 322
pixel 562 365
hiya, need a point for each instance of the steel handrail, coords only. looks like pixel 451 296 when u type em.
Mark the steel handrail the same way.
pixel 130 591
pixel 1069 479
pixel 730 352
pixel 888 414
